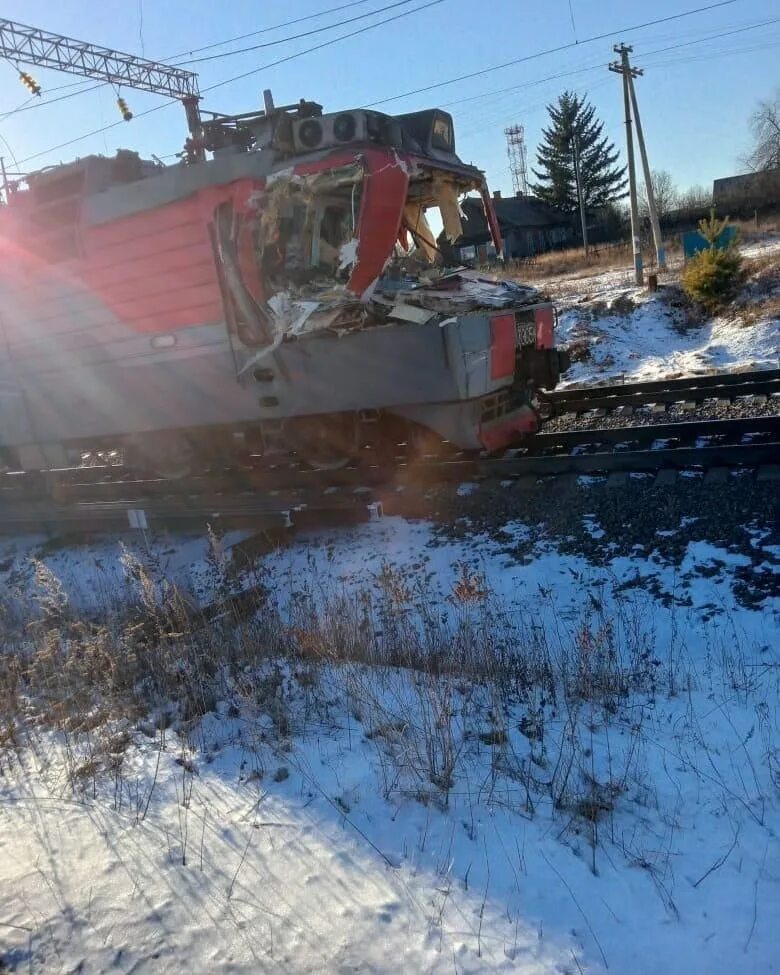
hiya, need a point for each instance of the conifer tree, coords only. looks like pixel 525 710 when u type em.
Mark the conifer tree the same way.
pixel 602 180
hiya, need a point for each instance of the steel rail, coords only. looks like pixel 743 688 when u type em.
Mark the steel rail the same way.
pixel 97 484
pixel 321 504
pixel 692 388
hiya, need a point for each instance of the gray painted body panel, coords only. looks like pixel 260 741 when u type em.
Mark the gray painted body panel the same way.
pixel 99 378
pixel 172 183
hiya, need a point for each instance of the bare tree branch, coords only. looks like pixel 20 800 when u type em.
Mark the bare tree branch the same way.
pixel 765 130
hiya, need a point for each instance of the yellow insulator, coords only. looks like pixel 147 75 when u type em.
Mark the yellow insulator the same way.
pixel 123 109
pixel 30 83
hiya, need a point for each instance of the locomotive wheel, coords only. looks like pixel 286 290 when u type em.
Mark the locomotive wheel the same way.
pixel 171 457
pixel 325 443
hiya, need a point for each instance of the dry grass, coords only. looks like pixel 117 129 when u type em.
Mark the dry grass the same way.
pixel 759 298
pixel 766 225
pixel 572 261
pixel 575 263
pixel 765 309
pixel 441 684
pixel 427 674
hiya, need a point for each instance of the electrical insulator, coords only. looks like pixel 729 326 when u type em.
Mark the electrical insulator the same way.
pixel 29 82
pixel 123 109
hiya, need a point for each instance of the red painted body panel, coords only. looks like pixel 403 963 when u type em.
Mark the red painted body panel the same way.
pixel 545 327
pixel 506 431
pixel 503 335
pixel 155 270
pixel 384 194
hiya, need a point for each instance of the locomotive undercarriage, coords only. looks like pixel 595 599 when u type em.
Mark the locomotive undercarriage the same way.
pixel 364 438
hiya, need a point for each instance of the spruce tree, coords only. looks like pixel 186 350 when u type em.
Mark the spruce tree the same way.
pixel 602 181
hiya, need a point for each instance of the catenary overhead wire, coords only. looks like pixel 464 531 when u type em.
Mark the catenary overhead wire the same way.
pixel 343 7
pixel 553 50
pixel 317 47
pixel 295 37
pixel 227 81
pixel 330 41
pixel 601 65
pixel 267 30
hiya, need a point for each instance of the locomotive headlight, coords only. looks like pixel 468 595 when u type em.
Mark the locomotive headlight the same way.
pixel 163 341
pixel 441 132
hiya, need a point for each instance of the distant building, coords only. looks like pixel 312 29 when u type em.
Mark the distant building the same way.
pixel 528 226
pixel 757 190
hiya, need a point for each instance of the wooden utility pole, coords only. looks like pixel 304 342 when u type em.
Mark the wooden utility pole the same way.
pixel 580 194
pixel 623 68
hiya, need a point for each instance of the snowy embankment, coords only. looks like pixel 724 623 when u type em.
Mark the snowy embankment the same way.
pixel 587 780
pixel 620 332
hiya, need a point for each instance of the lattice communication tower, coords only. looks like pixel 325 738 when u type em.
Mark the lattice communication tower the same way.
pixel 515 147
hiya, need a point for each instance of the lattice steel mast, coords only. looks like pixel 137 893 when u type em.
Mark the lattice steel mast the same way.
pixel 30 45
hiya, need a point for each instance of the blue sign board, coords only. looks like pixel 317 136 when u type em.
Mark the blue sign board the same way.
pixel 693 241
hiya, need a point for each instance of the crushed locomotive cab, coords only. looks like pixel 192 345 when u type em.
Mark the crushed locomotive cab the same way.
pixel 288 291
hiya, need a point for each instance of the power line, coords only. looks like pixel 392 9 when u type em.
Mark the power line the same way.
pixel 439 84
pixel 708 56
pixel 573 25
pixel 317 47
pixel 295 37
pixel 726 52
pixel 553 50
pixel 25 107
pixel 523 84
pixel 601 65
pixel 714 37
pixel 267 30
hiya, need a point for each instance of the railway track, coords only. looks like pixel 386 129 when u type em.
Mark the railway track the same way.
pixel 691 389
pixel 278 497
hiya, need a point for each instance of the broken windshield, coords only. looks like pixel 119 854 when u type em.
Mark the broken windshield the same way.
pixel 306 226
pixel 309 226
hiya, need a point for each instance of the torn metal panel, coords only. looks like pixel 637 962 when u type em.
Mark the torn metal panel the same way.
pixel 411 313
pixel 324 250
pixel 447 192
pixel 384 194
pixel 417 224
pixel 464 291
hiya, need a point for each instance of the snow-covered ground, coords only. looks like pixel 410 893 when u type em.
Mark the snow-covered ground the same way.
pixel 610 803
pixel 238 847
pixel 629 333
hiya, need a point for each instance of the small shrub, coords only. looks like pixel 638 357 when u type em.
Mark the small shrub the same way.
pixel 711 277
pixel 580 351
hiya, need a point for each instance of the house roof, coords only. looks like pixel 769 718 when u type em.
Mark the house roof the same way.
pixel 527 211
pixel 514 212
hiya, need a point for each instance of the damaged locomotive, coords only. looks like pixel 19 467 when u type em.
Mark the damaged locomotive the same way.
pixel 286 294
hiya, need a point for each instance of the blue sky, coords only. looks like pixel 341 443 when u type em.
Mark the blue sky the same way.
pixel 695 99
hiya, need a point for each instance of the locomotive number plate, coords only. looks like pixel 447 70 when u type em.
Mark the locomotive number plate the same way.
pixel 526 333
